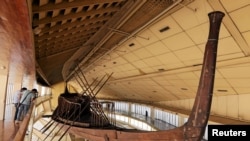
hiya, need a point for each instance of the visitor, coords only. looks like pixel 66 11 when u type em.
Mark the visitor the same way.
pixel 25 102
pixel 16 100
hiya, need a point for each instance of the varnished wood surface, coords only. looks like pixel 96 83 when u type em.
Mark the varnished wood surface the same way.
pixel 8 130
pixel 11 131
pixel 16 40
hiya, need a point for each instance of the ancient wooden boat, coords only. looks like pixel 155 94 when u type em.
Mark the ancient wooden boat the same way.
pixel 84 117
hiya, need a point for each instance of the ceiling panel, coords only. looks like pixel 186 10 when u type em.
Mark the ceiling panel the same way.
pixel 199 34
pixel 223 31
pixel 192 14
pixel 159 68
pixel 165 27
pixel 131 57
pixel 240 83
pixel 242 90
pixel 178 41
pixel 187 75
pixel 140 64
pixel 152 61
pixel 230 5
pixel 176 82
pixel 236 71
pixel 146 37
pixel 241 19
pixel 168 58
pixel 126 67
pixel 246 36
pixel 222 83
pixel 132 73
pixel 142 53
pixel 161 81
pixel 196 62
pixel 192 84
pixel 228 46
pixel 190 53
pixel 157 48
pixel 119 61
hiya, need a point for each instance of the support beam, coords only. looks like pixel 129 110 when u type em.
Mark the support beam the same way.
pixel 65 5
pixel 74 15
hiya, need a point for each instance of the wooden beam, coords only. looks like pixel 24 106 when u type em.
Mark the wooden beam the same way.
pixel 63 33
pixel 62 47
pixel 56 40
pixel 74 24
pixel 46 20
pixel 63 42
pixel 65 5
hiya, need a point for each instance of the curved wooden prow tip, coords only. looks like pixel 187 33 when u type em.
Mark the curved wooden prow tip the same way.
pixel 199 116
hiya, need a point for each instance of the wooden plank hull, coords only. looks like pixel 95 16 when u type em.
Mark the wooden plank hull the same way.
pixel 129 135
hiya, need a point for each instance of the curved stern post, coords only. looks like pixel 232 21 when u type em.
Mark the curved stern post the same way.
pixel 195 127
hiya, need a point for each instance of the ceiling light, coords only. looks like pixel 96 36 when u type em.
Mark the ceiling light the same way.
pixel 184 89
pixel 164 29
pixel 132 44
pixel 222 90
pixel 197 65
pixel 161 69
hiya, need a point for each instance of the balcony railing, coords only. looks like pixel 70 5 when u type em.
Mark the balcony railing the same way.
pixel 28 120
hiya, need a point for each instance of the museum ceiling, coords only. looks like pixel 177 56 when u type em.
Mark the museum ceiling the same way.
pixel 153 48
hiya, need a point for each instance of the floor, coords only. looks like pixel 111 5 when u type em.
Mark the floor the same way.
pixel 8 128
pixel 158 124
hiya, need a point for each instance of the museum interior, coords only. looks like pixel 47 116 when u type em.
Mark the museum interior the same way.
pixel 118 70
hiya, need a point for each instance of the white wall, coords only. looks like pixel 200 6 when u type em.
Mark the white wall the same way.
pixel 3 81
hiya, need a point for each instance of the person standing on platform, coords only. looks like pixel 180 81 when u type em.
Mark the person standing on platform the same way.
pixel 25 102
pixel 16 100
